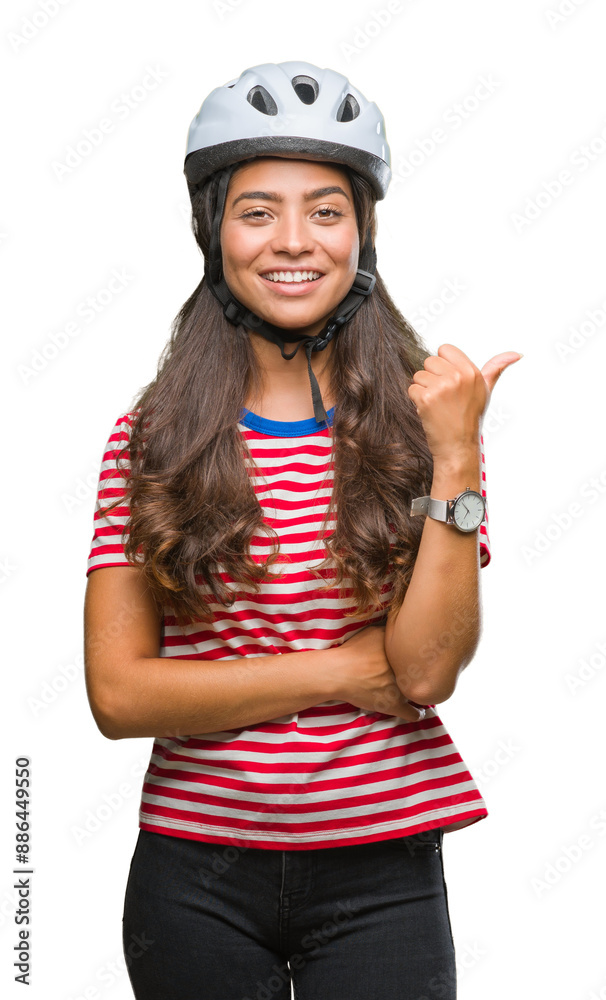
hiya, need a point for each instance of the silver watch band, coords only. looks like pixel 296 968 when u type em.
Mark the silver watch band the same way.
pixel 437 509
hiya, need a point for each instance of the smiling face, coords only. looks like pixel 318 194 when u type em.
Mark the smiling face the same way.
pixel 287 215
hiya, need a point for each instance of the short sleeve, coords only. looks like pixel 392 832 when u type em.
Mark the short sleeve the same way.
pixel 484 537
pixel 107 547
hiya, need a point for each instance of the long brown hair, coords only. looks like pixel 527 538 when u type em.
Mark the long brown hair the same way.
pixel 193 510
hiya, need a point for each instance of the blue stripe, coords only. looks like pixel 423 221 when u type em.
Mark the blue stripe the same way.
pixel 284 428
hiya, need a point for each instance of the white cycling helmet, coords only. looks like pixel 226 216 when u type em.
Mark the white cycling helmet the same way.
pixel 291 109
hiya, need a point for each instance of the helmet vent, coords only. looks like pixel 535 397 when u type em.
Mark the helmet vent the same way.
pixel 261 99
pixel 306 88
pixel 349 109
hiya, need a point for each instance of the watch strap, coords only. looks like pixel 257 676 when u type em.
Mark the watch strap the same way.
pixel 438 509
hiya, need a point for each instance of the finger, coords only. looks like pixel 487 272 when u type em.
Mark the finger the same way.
pixel 424 378
pixel 417 393
pixel 457 357
pixel 442 366
pixel 413 714
pixel 494 368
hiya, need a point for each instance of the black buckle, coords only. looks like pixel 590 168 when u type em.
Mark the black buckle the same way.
pixel 364 282
pixel 334 325
pixel 231 311
pixel 319 345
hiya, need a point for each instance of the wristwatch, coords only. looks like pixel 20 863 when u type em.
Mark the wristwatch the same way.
pixel 466 511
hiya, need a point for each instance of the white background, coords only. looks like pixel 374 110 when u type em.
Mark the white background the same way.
pixel 525 898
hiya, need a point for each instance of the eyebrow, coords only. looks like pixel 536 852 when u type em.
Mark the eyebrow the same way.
pixel 274 196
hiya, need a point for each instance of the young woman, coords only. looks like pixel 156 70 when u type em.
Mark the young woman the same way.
pixel 269 608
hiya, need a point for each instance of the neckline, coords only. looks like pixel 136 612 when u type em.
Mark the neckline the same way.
pixel 285 428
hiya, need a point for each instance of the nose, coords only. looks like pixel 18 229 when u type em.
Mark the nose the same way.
pixel 292 233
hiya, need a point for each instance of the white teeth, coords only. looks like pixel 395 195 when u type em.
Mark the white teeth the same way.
pixel 289 276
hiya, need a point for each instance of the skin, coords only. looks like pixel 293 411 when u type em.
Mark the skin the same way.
pixel 436 632
pixel 293 233
pixel 421 650
pixel 451 394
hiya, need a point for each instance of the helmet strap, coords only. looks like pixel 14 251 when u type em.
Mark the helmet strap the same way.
pixel 237 313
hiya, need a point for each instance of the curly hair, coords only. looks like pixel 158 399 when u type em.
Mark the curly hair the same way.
pixel 193 509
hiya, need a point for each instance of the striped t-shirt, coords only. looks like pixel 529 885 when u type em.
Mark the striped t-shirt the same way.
pixel 327 776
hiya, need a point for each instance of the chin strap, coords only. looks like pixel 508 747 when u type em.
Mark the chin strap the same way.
pixel 237 314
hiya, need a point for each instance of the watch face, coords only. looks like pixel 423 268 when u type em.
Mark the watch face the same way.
pixel 468 511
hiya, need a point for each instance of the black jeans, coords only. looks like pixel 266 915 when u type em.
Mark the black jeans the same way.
pixel 209 921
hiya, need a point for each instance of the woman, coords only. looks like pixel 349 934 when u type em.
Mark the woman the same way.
pixel 293 810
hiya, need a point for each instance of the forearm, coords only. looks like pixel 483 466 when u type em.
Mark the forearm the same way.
pixel 164 697
pixel 436 631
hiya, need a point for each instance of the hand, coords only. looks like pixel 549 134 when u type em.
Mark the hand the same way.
pixel 452 395
pixel 369 682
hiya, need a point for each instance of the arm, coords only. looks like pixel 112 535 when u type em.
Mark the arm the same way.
pixel 436 632
pixel 132 691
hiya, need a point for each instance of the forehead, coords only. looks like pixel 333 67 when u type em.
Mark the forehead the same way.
pixel 284 172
